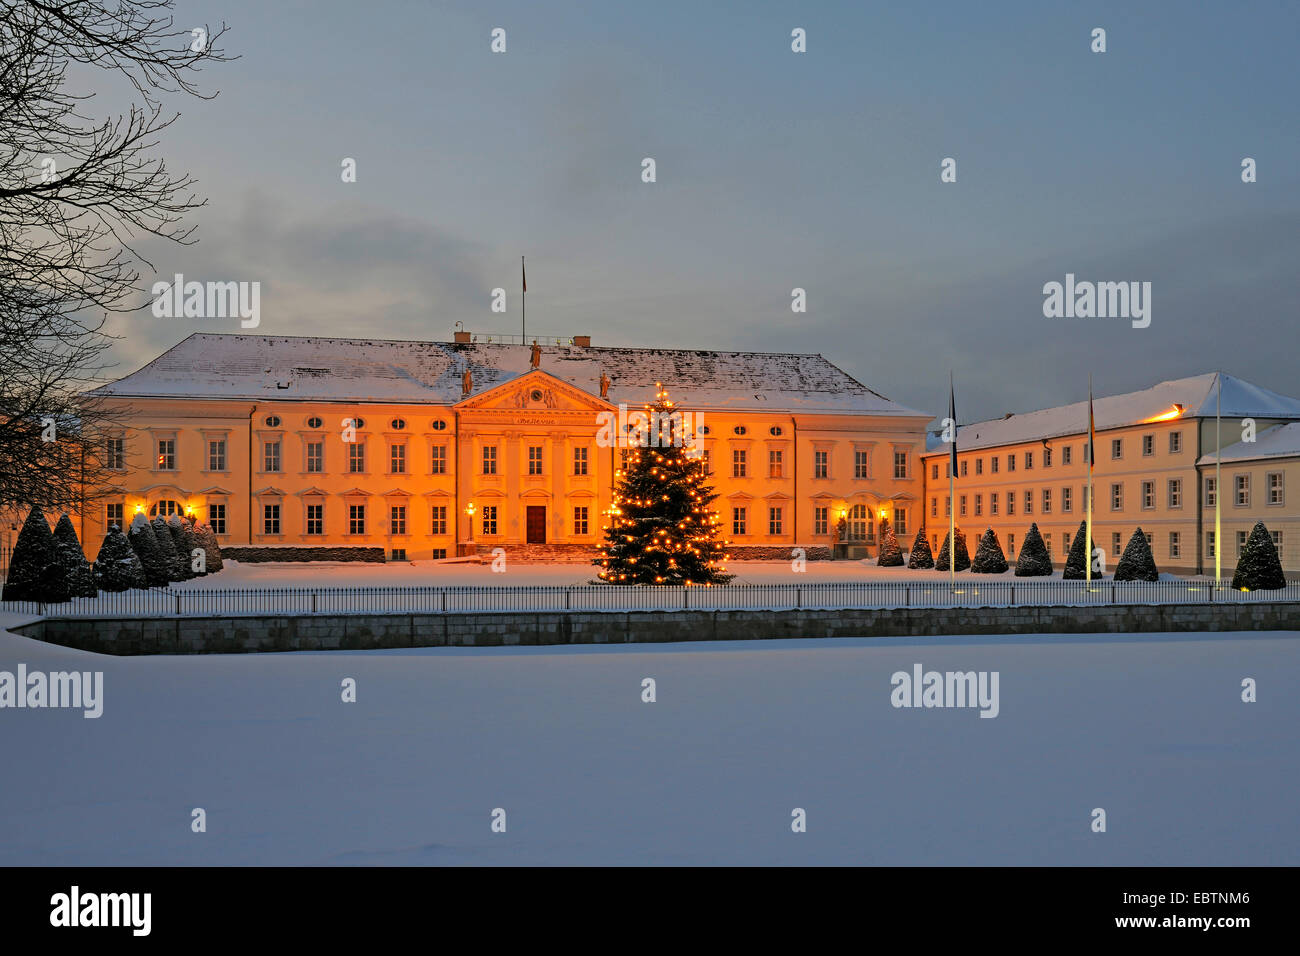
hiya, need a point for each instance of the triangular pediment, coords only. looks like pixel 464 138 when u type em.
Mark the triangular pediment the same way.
pixel 536 391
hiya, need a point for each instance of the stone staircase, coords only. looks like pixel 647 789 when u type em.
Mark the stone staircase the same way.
pixel 579 554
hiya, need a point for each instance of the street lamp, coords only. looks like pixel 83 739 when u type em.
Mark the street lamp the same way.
pixel 469 510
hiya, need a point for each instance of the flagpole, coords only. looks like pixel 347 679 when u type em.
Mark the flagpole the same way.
pixel 523 296
pixel 952 486
pixel 1218 480
pixel 1092 455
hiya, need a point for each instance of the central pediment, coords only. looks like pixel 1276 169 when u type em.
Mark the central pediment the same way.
pixel 535 391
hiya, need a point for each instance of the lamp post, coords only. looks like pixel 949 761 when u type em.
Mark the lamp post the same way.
pixel 469 510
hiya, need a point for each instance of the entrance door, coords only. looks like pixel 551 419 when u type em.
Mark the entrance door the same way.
pixel 536 518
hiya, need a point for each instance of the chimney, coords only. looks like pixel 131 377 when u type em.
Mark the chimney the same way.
pixel 462 337
pixel 582 341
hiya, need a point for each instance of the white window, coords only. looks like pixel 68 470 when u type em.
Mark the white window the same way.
pixel 1175 492
pixel 738 521
pixel 819 464
pixel 1116 544
pixel 1117 448
pixel 1047 501
pixel 1275 495
pixel 1148 495
pixel 1067 499
pixel 1065 455
pixel 217 454
pixel 1175 545
pixel 1242 485
pixel 167 454
pixel 993 503
pixel 1117 497
pixel 900 464
pixel 1175 442
pixel 859 464
pixel 1148 445
pixel 1029 502
pixel 821 519
pixel 1211 492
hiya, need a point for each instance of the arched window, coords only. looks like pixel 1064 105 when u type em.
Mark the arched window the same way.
pixel 166 507
pixel 859 522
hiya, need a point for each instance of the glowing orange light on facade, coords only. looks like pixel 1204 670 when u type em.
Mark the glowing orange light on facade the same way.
pixel 1166 416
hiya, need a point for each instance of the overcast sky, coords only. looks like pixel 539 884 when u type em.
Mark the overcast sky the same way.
pixel 775 170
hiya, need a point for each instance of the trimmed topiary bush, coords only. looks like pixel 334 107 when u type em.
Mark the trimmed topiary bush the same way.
pixel 157 568
pixel 1259 568
pixel 1075 568
pixel 73 566
pixel 963 556
pixel 117 566
pixel 207 540
pixel 182 541
pixel 989 558
pixel 1034 561
pixel 1137 563
pixel 33 567
pixel 163 535
pixel 891 555
pixel 921 557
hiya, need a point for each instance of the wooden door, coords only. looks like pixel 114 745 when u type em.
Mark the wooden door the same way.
pixel 536 519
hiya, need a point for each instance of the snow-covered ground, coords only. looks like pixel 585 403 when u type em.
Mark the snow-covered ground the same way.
pixel 1151 728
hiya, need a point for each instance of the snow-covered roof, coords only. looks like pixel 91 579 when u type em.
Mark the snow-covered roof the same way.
pixel 310 368
pixel 1196 395
pixel 1280 441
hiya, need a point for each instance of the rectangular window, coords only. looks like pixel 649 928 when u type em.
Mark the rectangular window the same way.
pixel 1175 492
pixel 821 520
pixel 1029 502
pixel 1047 542
pixel 963 467
pixel 580 519
pixel 859 464
pixel 979 505
pixel 438 519
pixel 1277 542
pixel 979 466
pixel 1241 542
pixel 217 518
pixel 113 515
pixel 356 519
pixel 437 459
pixel 934 472
pixel 947 506
pixel 397 519
pixel 774 463
pixel 315 456
pixel 1148 445
pixel 115 454
pixel 397 459
pixel 819 464
pixel 774 521
pixel 580 461
pixel 1065 544
pixel 1117 497
pixel 1011 503
pixel 1116 448
pixel 934 507
pixel 1275 495
pixel 1175 442
pixel 1047 457
pixel 1116 544
pixel 737 520
pixel 961 505
pixel 1148 495
pixel 1067 500
pixel 1175 545
pixel 738 463
pixel 271 456
pixel 1211 493
pixel 1209 544
pixel 1065 454
pixel 705 462
pixel 397 554
pixel 1011 462
pixel 489 459
pixel 993 464
pixel 1011 545
pixel 315 519
pixel 900 521
pixel 1029 460
pixel 489 519
pixel 217 454
pixel 534 459
pixel 900 464
pixel 270 519
pixel 167 454
pixel 1242 485
pixel 1087 452
pixel 356 458
pixel 1047 501
pixel 438 554
pixel 993 503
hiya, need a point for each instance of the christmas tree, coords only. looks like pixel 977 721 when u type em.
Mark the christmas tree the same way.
pixel 33 566
pixel 1259 568
pixel 73 566
pixel 661 528
pixel 989 558
pixel 1034 561
pixel 963 556
pixel 921 556
pixel 117 566
pixel 891 556
pixel 1137 562
pixel 1075 567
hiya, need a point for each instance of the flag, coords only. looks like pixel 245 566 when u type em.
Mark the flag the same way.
pixel 522 273
pixel 952 417
pixel 1092 432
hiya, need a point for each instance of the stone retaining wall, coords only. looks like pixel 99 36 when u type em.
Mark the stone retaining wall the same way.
pixel 254 555
pixel 361 631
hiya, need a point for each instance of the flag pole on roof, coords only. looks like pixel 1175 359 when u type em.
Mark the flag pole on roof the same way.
pixel 1218 476
pixel 952 479
pixel 1092 456
pixel 523 303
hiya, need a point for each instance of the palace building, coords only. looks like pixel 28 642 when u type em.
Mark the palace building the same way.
pixel 433 449
pixel 1155 469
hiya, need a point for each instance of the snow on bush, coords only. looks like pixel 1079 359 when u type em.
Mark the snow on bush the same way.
pixel 1137 563
pixel 1259 568
pixel 989 558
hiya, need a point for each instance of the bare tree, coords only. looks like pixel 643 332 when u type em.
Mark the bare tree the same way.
pixel 76 192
